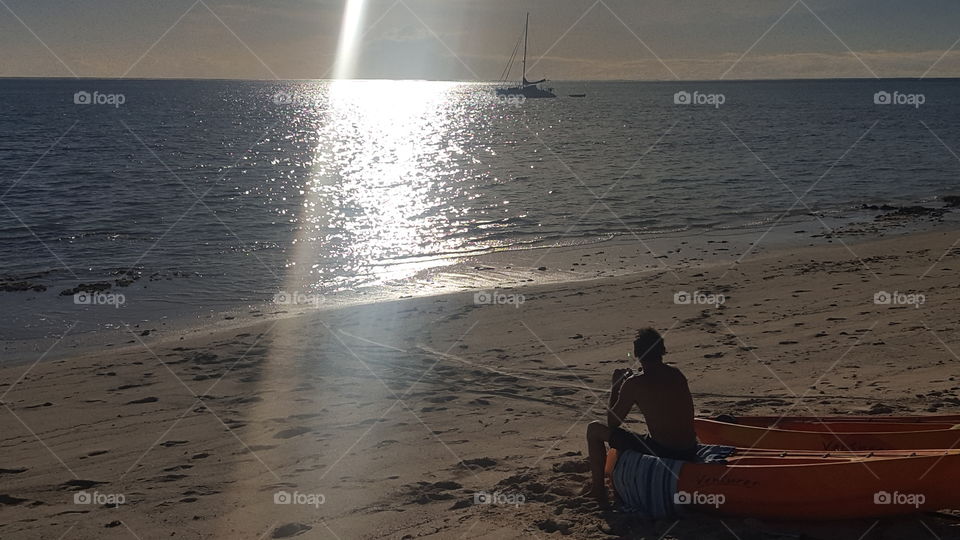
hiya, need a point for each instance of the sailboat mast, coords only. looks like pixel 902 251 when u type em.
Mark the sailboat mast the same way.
pixel 526 28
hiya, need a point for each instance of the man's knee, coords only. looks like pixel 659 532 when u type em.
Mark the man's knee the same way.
pixel 598 430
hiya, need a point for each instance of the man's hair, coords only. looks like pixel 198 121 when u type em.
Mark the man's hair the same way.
pixel 648 346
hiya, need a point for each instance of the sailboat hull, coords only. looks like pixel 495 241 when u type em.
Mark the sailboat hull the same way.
pixel 528 92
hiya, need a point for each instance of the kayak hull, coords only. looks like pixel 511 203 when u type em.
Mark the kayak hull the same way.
pixel 807 487
pixel 857 488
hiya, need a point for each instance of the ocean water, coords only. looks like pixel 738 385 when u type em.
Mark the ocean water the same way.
pixel 190 197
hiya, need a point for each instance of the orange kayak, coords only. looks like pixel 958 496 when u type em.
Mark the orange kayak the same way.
pixel 810 487
pixel 829 435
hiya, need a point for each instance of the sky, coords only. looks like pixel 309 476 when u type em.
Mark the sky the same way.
pixel 472 39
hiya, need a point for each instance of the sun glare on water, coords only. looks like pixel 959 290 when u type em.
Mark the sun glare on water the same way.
pixel 371 205
pixel 377 180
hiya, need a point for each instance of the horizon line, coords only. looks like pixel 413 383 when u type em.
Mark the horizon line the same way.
pixel 679 81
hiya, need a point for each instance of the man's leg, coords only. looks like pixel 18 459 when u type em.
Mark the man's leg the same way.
pixel 597 436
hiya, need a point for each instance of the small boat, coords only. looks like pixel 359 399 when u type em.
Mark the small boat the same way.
pixel 525 88
pixel 806 486
pixel 832 434
pixel 577 95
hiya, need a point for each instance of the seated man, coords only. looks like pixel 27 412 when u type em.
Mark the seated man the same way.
pixel 661 394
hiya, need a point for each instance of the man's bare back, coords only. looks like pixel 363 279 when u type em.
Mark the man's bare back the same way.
pixel 663 397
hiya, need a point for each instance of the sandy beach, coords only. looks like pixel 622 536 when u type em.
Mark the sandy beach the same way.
pixel 387 420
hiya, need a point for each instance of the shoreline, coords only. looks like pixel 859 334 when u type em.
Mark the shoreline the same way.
pixel 500 269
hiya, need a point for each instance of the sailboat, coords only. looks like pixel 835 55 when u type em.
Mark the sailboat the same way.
pixel 526 88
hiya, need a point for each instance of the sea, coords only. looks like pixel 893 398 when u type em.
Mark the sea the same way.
pixel 128 202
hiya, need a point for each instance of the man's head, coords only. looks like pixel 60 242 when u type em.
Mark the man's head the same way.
pixel 648 346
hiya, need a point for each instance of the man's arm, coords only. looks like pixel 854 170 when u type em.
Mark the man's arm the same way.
pixel 621 400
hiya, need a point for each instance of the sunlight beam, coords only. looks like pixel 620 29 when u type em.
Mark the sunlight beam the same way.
pixel 348 45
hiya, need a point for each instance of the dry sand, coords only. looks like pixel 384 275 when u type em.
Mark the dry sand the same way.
pixel 394 415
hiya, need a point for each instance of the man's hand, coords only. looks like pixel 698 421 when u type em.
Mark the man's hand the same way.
pixel 620 375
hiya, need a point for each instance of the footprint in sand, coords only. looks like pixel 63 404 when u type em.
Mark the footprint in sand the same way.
pixel 479 463
pixel 290 529
pixel 37 406
pixel 441 399
pixel 426 492
pixel 170 478
pixel 573 466
pixel 78 484
pixel 432 409
pixel 168 444
pixel 292 432
pixel 9 500
pixel 127 387
pixel 149 399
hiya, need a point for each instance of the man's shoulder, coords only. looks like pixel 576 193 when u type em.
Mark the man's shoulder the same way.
pixel 675 370
pixel 636 381
pixel 666 372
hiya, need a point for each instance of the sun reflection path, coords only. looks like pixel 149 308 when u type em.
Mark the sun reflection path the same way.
pixel 376 202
